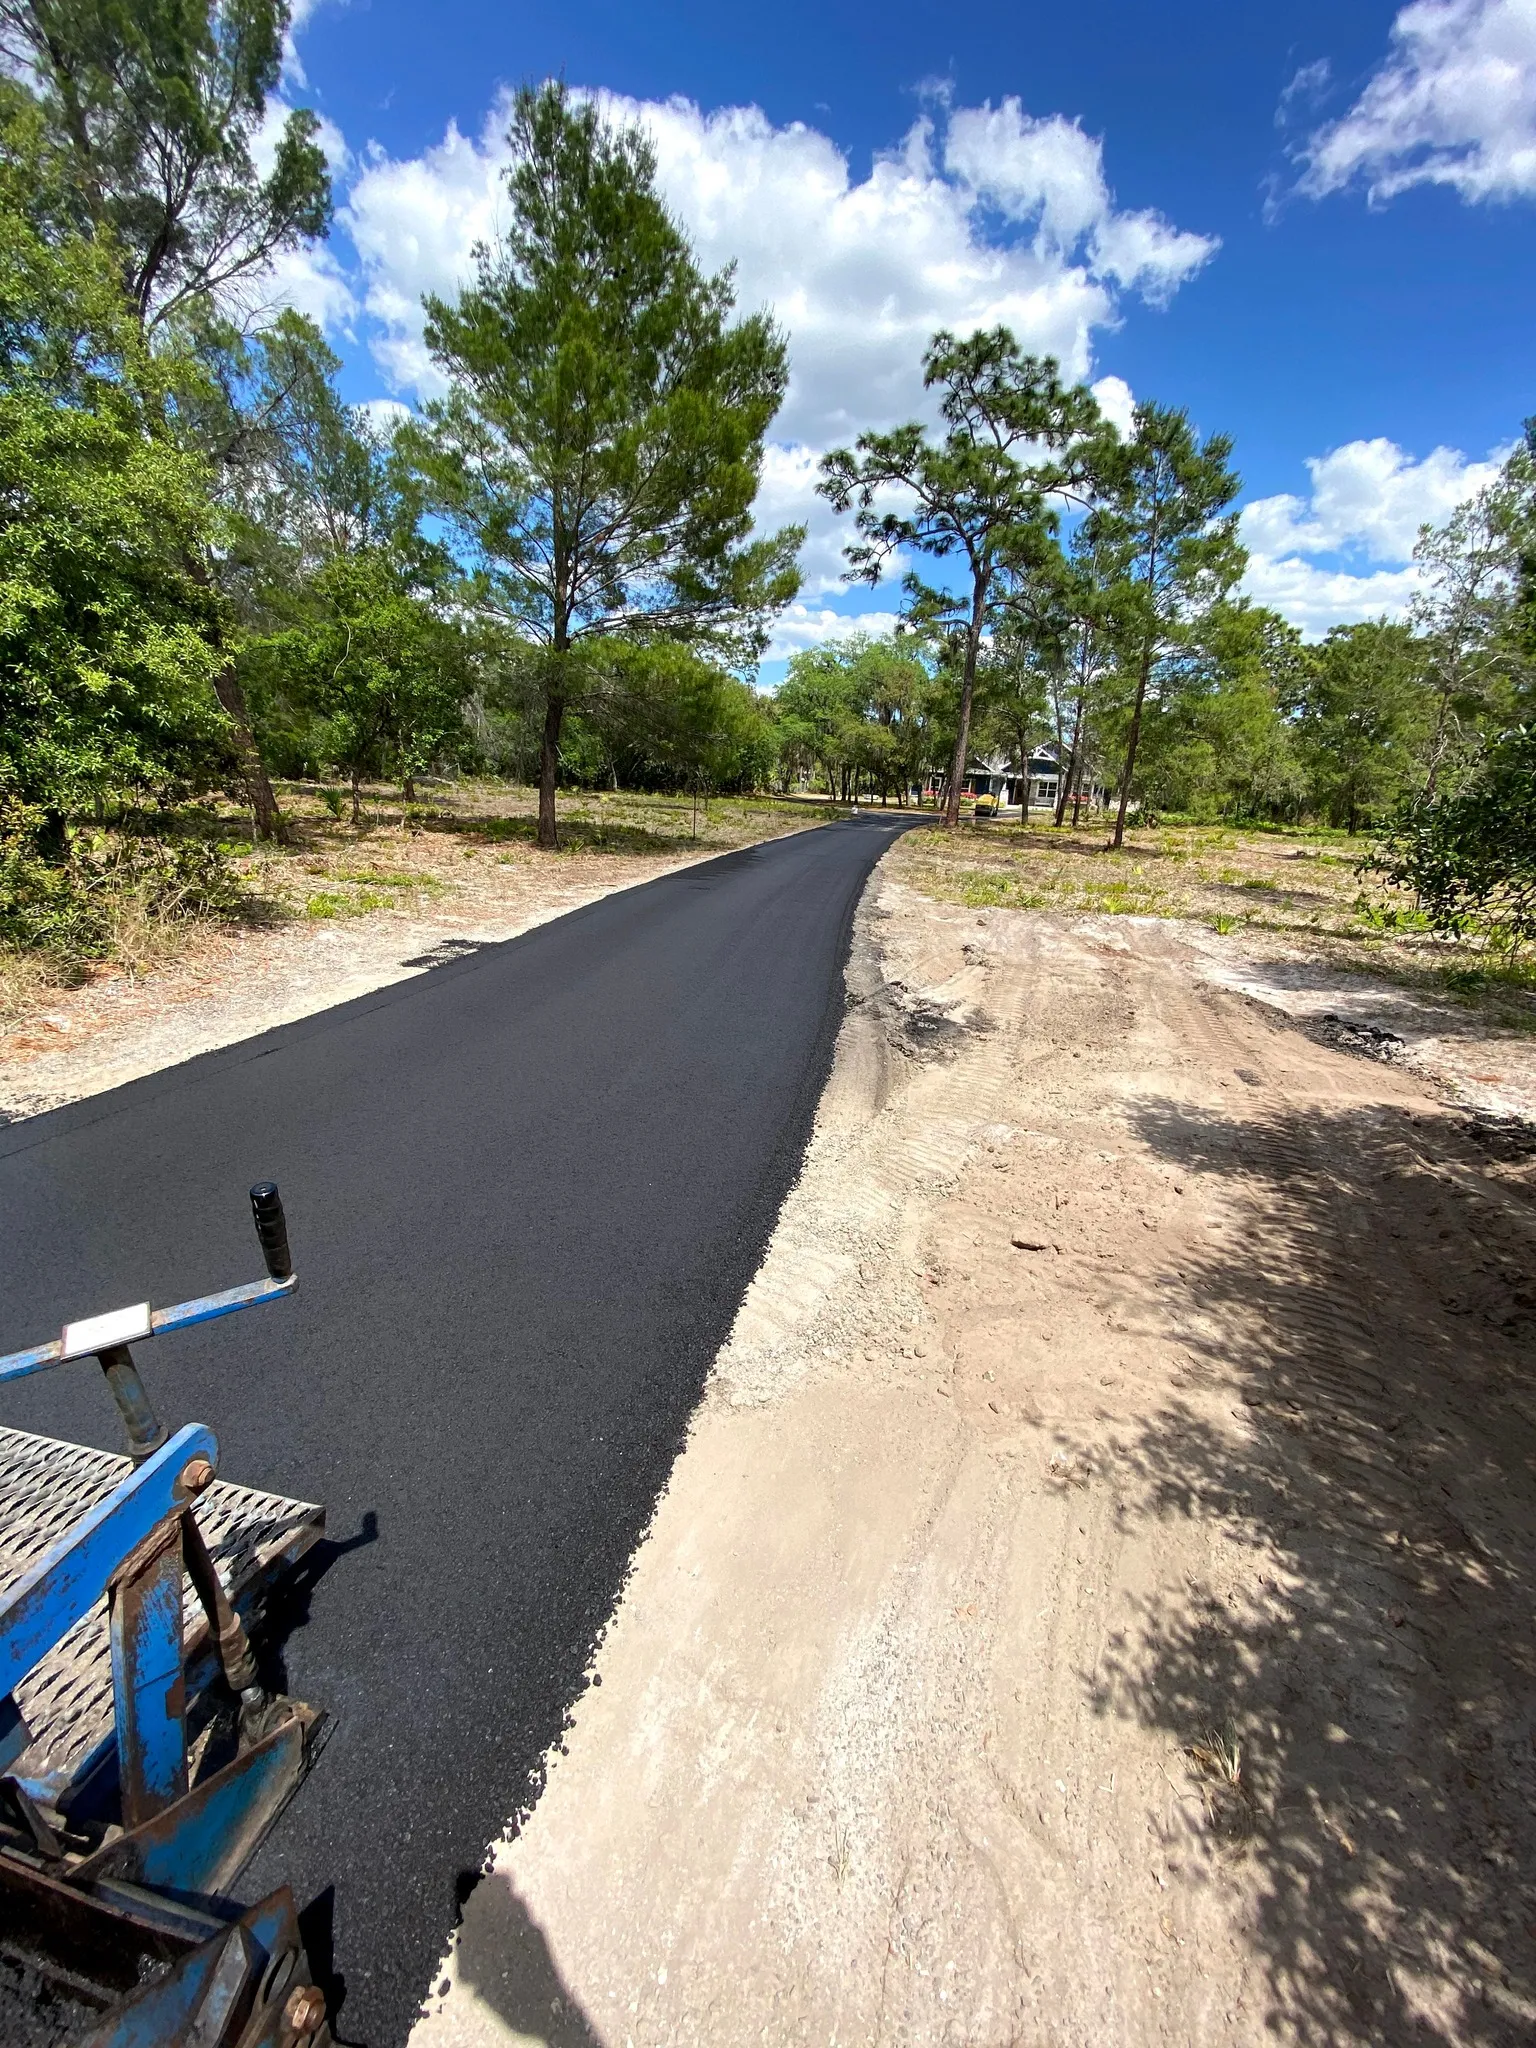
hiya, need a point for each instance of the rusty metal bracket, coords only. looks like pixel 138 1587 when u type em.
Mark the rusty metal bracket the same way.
pixel 149 1687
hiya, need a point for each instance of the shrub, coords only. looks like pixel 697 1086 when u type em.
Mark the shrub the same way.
pixel 1470 857
pixel 112 897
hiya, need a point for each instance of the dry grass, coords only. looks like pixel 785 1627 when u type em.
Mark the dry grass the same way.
pixel 1292 888
pixel 465 847
pixel 28 984
pixel 403 855
pixel 1229 1804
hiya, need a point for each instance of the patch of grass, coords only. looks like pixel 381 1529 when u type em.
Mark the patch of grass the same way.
pixel 1292 887
pixel 1229 1803
pixel 381 878
pixel 1390 917
pixel 1495 979
pixel 359 899
pixel 996 892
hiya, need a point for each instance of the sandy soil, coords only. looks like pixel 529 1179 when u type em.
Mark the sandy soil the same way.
pixel 1452 1047
pixel 1094 1603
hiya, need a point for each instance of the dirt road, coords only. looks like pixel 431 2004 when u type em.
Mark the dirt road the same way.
pixel 1094 1603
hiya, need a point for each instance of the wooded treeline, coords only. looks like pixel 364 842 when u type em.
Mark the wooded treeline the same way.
pixel 1091 607
pixel 216 573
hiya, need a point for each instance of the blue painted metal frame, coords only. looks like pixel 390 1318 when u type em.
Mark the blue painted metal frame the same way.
pixel 65 1584
pixel 256 1963
pixel 199 1845
pixel 17 1365
pixel 149 1694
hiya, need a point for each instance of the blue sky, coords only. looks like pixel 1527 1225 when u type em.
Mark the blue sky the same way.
pixel 1312 226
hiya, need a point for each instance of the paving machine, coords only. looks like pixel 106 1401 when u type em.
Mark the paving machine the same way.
pixel 141 1758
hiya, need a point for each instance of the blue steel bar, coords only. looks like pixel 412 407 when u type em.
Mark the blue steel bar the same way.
pixel 205 1309
pixel 63 1586
pixel 38 1359
pixel 208 1307
pixel 148 1688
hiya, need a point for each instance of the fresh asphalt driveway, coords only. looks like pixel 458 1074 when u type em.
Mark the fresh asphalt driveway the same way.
pixel 526 1192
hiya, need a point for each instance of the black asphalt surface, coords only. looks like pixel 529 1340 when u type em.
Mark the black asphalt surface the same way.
pixel 526 1192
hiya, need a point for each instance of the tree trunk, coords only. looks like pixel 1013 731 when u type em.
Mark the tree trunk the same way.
pixel 549 766
pixel 1437 745
pixel 967 696
pixel 357 798
pixel 1069 780
pixel 1132 743
pixel 267 819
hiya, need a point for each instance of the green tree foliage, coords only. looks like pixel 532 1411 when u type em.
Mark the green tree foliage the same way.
pixel 1084 598
pixel 1160 518
pixel 1463 618
pixel 862 712
pixel 1216 740
pixel 303 476
pixel 1361 721
pixel 1025 674
pixel 667 717
pixel 599 448
pixel 155 106
pixel 1470 856
pixel 977 497
pixel 107 638
pixel 148 113
pixel 1517 512
pixel 352 649
pixel 370 658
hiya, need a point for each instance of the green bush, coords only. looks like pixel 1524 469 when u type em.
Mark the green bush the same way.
pixel 1470 857
pixel 83 906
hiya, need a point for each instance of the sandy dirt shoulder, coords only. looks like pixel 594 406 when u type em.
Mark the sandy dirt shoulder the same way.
pixel 1093 1605
pixel 233 984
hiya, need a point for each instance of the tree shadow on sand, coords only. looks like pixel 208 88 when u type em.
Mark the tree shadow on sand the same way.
pixel 1365 1700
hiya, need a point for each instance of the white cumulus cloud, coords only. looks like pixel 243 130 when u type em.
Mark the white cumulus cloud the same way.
pixel 1453 103
pixel 1117 402
pixel 1362 517
pixel 980 216
pixel 803 625
pixel 860 272
pixel 1050 172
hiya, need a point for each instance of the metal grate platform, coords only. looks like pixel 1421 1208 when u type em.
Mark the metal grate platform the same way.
pixel 45 1487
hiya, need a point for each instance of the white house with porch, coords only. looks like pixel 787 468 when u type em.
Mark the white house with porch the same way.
pixel 1001 778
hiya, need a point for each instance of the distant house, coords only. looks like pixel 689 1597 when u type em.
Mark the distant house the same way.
pixel 998 777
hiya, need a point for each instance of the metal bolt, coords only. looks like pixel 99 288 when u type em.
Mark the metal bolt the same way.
pixel 305 2008
pixel 196 1475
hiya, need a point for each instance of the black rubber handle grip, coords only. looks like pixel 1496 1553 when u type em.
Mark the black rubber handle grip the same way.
pixel 272 1229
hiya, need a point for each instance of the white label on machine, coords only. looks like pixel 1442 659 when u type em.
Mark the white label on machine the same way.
pixel 120 1326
